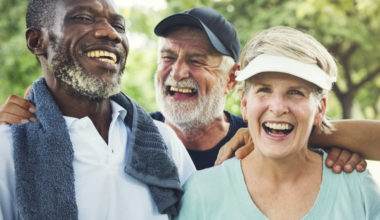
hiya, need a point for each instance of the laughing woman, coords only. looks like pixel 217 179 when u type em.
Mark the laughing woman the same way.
pixel 286 75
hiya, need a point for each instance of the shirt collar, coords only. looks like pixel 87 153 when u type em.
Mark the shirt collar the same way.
pixel 117 111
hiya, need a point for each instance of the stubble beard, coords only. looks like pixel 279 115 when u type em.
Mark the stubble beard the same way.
pixel 191 116
pixel 82 83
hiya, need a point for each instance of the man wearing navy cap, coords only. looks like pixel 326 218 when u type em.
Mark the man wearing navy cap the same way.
pixel 198 54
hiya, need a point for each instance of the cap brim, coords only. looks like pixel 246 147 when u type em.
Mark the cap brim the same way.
pixel 270 63
pixel 189 20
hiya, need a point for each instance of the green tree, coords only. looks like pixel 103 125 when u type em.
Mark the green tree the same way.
pixel 349 29
pixel 18 67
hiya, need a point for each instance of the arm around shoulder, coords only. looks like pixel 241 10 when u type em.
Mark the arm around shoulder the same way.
pixel 360 136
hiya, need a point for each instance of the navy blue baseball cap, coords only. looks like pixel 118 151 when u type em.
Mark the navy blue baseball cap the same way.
pixel 219 31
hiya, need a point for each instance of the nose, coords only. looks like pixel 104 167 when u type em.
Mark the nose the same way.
pixel 180 70
pixel 278 105
pixel 105 30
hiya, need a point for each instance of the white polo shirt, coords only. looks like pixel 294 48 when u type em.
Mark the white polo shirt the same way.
pixel 103 190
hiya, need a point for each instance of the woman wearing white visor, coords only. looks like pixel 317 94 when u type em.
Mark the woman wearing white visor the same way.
pixel 287 75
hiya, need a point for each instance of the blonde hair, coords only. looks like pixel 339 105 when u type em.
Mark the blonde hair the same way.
pixel 295 44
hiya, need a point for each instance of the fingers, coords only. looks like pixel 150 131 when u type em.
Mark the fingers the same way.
pixel 362 165
pixel 17 110
pixel 340 159
pixel 224 153
pixel 332 156
pixel 241 138
pixel 244 150
pixel 355 162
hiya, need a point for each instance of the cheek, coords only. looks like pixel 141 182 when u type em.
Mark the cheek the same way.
pixel 206 80
pixel 162 72
pixel 254 108
pixel 305 111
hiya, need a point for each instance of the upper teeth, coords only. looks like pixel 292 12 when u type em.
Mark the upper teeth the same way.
pixel 103 55
pixel 181 90
pixel 278 126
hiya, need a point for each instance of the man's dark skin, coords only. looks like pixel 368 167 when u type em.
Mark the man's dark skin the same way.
pixel 84 26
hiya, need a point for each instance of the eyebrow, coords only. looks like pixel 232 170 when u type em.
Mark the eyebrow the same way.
pixel 169 51
pixel 93 11
pixel 82 8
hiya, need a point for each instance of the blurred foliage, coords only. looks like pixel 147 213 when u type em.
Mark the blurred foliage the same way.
pixel 18 67
pixel 350 30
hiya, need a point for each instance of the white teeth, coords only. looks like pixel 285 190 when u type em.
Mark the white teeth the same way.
pixel 103 55
pixel 278 126
pixel 181 90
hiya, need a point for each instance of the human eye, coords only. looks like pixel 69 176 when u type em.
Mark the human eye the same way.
pixel 119 24
pixel 263 90
pixel 167 58
pixel 196 62
pixel 83 18
pixel 296 92
pixel 119 27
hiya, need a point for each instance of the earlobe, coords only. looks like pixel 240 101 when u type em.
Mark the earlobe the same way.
pixel 243 107
pixel 231 83
pixel 36 41
pixel 321 111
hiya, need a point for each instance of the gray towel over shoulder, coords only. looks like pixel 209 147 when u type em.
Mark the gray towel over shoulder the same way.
pixel 44 155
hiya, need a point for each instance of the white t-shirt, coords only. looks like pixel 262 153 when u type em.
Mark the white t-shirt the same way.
pixel 103 190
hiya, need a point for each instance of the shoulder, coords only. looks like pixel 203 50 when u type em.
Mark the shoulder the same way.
pixel 358 186
pixel 214 179
pixel 205 190
pixel 177 151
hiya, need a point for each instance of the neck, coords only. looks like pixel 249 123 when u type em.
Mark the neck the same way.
pixel 205 137
pixel 281 170
pixel 78 106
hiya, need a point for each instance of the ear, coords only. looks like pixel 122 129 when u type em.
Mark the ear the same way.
pixel 36 41
pixel 321 112
pixel 243 107
pixel 231 81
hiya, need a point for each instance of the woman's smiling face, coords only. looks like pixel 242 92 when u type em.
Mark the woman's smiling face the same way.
pixel 281 110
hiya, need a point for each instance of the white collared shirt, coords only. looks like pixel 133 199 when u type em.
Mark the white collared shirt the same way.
pixel 103 190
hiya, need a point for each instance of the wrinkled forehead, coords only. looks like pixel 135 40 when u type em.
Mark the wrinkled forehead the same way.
pixel 187 39
pixel 66 7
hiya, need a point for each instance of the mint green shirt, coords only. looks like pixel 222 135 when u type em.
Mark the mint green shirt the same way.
pixel 220 193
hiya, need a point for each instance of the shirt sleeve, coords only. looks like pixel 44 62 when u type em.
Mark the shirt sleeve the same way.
pixel 177 151
pixel 7 175
pixel 371 195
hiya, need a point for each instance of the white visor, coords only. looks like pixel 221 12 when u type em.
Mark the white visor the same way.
pixel 270 63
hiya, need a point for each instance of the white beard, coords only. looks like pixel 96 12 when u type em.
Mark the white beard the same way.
pixel 74 75
pixel 190 116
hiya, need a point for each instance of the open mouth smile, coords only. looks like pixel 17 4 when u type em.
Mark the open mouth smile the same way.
pixel 277 129
pixel 171 90
pixel 103 55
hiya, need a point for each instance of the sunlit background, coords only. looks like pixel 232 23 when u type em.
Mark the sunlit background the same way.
pixel 339 25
